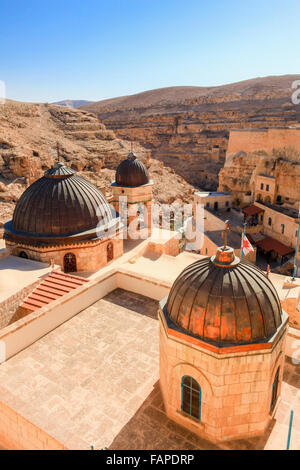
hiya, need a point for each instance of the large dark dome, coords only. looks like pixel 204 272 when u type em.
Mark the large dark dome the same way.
pixel 225 301
pixel 59 204
pixel 132 172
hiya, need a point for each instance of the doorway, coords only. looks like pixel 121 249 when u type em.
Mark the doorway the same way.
pixel 70 263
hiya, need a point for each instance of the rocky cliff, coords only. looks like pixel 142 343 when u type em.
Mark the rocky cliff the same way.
pixel 187 128
pixel 272 152
pixel 28 146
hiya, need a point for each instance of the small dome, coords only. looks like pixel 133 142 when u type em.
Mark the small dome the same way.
pixel 225 301
pixel 58 204
pixel 132 172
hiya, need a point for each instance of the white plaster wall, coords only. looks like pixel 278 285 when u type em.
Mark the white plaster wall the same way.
pixel 39 324
pixel 144 287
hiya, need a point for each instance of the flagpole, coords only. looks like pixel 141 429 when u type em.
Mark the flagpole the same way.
pixel 297 245
pixel 243 236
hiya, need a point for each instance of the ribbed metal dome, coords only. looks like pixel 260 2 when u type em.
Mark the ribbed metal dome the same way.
pixel 222 300
pixel 132 172
pixel 60 203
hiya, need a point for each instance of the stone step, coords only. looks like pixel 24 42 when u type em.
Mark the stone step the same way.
pixel 52 287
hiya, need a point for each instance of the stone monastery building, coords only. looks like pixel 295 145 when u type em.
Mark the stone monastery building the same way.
pixel 147 347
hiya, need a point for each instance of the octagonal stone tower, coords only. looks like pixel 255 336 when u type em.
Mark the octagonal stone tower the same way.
pixel 132 196
pixel 222 338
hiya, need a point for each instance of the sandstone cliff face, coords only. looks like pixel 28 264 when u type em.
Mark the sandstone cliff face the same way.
pixel 28 146
pixel 272 152
pixel 240 170
pixel 29 134
pixel 187 128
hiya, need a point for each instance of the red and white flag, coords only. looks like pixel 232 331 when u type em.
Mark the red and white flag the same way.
pixel 247 247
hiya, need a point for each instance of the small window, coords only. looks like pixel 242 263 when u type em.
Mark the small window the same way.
pixel 282 228
pixel 267 187
pixel 269 221
pixel 227 203
pixel 275 390
pixel 261 185
pixel 191 397
pixel 109 252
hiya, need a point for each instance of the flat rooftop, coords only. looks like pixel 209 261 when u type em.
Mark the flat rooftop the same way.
pixel 294 213
pixel 94 381
pixel 214 229
pixel 17 273
pixel 212 194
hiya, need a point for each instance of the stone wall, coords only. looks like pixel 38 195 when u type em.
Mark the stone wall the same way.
pixel 170 247
pixel 250 154
pixel 89 257
pixel 9 306
pixel 262 139
pixel 223 201
pixel 17 433
pixel 275 229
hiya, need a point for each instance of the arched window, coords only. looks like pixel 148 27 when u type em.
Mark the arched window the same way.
pixel 70 263
pixel 191 397
pixel 275 390
pixel 23 254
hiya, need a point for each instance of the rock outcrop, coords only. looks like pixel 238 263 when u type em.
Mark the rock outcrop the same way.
pixel 28 146
pixel 187 128
pixel 272 152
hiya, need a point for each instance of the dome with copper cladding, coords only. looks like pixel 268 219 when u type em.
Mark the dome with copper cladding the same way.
pixel 60 203
pixel 224 301
pixel 132 172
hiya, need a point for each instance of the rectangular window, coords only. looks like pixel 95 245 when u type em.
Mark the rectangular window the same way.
pixel 261 185
pixel 269 221
pixel 267 187
pixel 282 228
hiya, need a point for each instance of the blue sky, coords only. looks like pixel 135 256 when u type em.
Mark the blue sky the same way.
pixel 96 49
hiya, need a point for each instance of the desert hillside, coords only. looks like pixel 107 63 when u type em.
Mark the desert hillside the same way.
pixel 73 103
pixel 187 128
pixel 28 146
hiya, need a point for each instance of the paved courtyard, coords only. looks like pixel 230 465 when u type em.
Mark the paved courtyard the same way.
pixel 94 380
pixel 82 382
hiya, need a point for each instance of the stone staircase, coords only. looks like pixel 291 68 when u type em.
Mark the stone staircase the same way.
pixel 52 287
